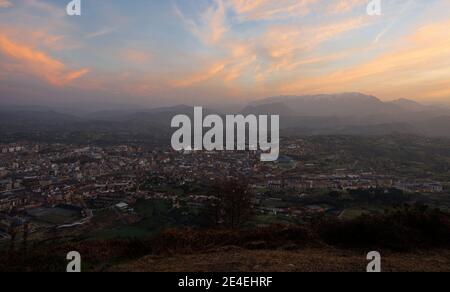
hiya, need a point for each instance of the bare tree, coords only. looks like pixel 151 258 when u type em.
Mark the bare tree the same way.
pixel 12 231
pixel 232 206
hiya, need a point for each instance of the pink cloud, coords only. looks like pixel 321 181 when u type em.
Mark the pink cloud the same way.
pixel 25 59
pixel 5 4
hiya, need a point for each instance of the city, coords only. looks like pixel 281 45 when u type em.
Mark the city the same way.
pixel 219 136
pixel 49 190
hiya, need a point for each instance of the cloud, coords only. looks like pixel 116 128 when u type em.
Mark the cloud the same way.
pixel 258 10
pixel 100 33
pixel 5 4
pixel 285 40
pixel 230 48
pixel 75 74
pixel 24 59
pixel 136 56
pixel 268 53
pixel 195 78
pixel 342 6
pixel 412 67
pixel 395 21
pixel 210 26
pixel 280 50
pixel 253 10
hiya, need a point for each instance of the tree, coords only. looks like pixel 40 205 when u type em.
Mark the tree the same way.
pixel 26 230
pixel 231 206
pixel 12 231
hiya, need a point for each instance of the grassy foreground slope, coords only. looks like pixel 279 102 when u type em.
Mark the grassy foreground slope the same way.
pixel 233 259
pixel 409 239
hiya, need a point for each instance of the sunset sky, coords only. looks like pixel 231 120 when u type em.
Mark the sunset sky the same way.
pixel 163 52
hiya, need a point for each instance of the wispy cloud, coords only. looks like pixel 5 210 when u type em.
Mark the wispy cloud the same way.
pixel 417 63
pixel 210 26
pixel 25 59
pixel 100 33
pixel 137 56
pixel 395 21
pixel 342 6
pixel 278 50
pixel 236 48
pixel 252 10
pixel 5 4
pixel 201 76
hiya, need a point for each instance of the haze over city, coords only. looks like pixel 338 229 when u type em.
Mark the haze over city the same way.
pixel 211 52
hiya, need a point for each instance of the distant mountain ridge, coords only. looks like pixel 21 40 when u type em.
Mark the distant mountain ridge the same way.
pixel 344 113
pixel 353 113
pixel 343 104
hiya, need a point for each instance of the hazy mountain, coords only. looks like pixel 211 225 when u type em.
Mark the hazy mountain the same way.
pixel 278 108
pixel 111 115
pixel 344 104
pixel 33 118
pixel 154 114
pixel 437 126
pixel 22 108
pixel 346 113
pixel 353 113
pixel 409 105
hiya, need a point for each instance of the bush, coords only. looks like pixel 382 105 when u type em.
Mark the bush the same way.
pixel 405 229
pixel 401 230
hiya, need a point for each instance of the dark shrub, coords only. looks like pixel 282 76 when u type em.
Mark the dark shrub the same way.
pixel 403 229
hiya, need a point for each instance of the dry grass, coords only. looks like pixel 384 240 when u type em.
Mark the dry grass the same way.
pixel 233 259
pixel 410 240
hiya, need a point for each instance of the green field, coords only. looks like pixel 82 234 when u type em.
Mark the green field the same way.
pixel 271 219
pixel 156 215
pixel 353 213
pixel 56 216
pixel 121 232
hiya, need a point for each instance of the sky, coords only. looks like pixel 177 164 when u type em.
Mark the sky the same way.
pixel 211 52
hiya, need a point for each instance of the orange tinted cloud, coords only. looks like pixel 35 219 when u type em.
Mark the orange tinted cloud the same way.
pixel 272 52
pixel 279 50
pixel 341 6
pixel 252 10
pixel 283 41
pixel 417 62
pixel 211 27
pixel 136 56
pixel 26 59
pixel 270 9
pixel 195 78
pixel 75 74
pixel 5 4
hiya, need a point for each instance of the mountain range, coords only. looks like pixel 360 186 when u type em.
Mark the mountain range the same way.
pixel 345 113
pixel 353 113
